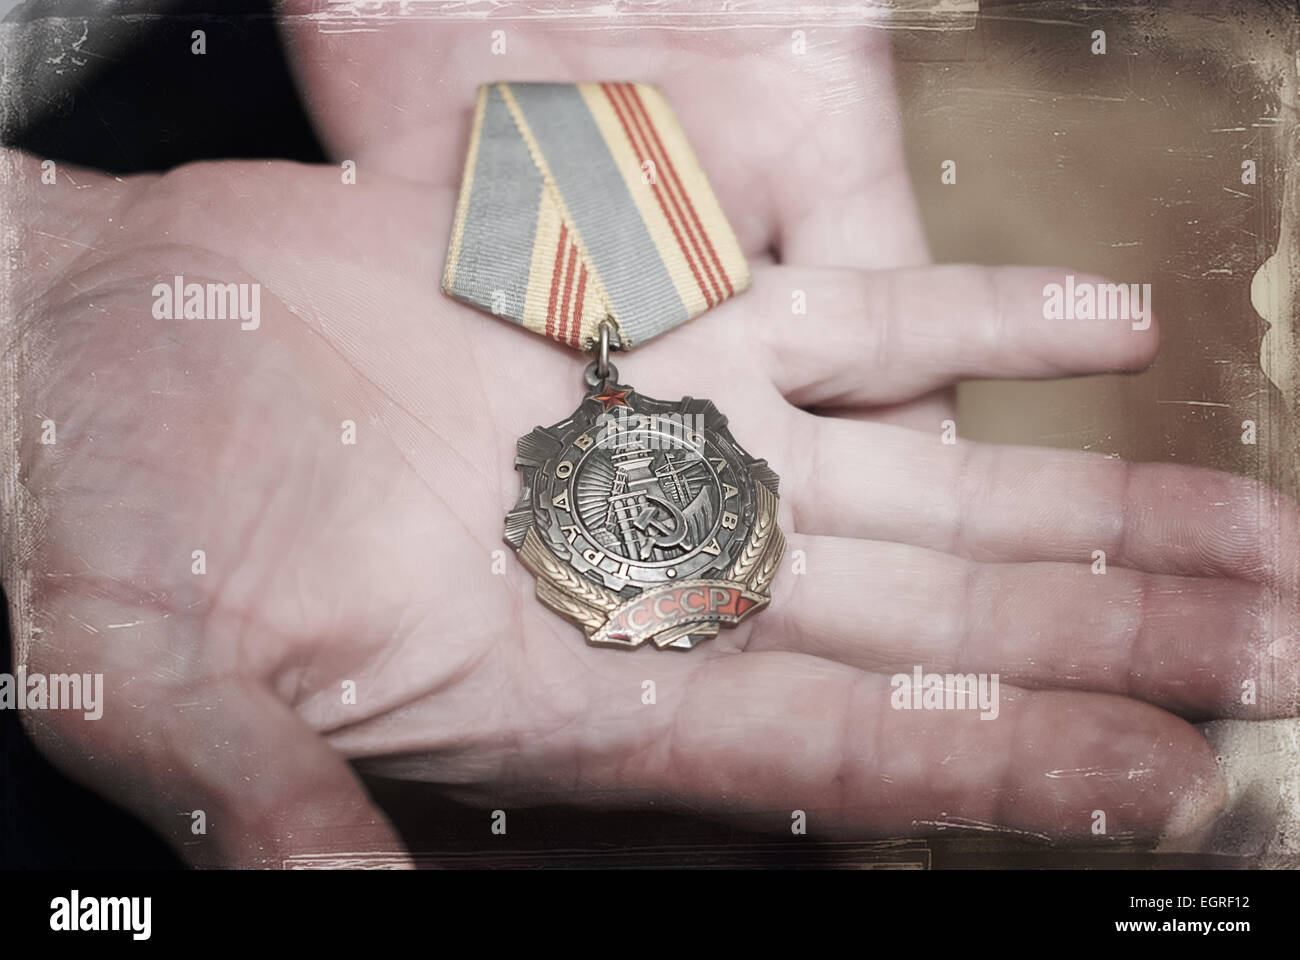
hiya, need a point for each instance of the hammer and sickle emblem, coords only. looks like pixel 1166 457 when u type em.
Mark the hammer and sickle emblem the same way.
pixel 662 531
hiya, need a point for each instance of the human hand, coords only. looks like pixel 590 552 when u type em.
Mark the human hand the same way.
pixel 372 563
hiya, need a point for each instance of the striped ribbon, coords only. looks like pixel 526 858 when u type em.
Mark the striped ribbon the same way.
pixel 582 202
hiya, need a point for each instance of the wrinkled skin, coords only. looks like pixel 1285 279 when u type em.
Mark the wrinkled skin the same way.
pixel 373 563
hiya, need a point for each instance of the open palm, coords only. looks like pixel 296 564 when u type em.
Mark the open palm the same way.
pixel 352 604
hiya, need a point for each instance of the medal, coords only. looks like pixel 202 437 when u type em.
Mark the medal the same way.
pixel 584 216
pixel 643 519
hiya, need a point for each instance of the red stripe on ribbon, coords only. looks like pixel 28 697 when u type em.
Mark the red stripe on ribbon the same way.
pixel 577 306
pixel 685 196
pixel 660 159
pixel 555 280
pixel 562 335
pixel 627 130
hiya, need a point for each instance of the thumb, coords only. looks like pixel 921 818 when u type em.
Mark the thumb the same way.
pixel 227 774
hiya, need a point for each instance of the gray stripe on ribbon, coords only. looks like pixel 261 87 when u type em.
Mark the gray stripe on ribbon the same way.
pixel 634 275
pixel 496 247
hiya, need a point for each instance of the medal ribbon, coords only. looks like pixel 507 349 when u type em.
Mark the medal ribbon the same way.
pixel 584 202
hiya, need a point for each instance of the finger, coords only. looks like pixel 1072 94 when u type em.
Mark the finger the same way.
pixel 919 414
pixel 769 733
pixel 1002 503
pixel 803 150
pixel 841 188
pixel 1193 646
pixel 225 773
pixel 841 338
pixel 369 93
pixel 281 792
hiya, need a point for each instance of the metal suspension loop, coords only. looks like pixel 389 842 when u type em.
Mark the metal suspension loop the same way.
pixel 602 358
pixel 601 370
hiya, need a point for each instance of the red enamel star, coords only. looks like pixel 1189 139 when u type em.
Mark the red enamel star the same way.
pixel 611 398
